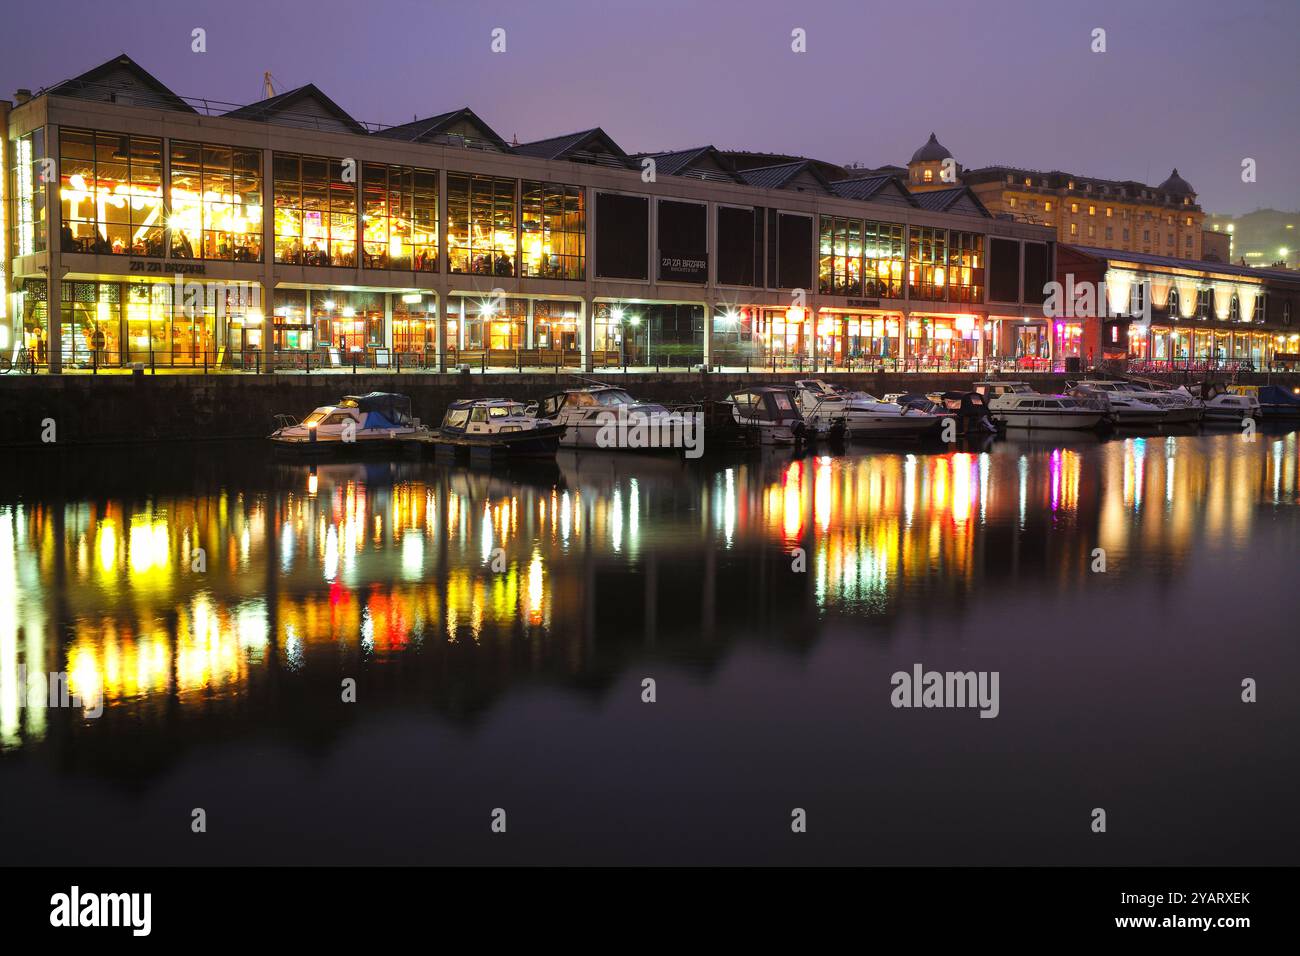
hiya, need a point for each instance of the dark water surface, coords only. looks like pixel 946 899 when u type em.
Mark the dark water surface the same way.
pixel 520 688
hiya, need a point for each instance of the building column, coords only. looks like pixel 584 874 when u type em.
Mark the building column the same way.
pixel 54 313
pixel 388 323
pixel 710 307
pixel 530 339
pixel 903 333
pixel 587 321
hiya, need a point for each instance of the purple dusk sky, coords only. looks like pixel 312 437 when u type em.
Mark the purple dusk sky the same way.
pixel 1196 84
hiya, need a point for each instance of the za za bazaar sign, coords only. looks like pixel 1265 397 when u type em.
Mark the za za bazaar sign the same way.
pixel 683 269
pixel 180 268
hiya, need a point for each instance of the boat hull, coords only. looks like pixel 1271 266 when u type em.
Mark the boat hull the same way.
pixel 1038 418
pixel 530 443
pixel 860 426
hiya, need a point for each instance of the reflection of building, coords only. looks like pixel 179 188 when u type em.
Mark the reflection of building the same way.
pixel 140 228
pixel 1265 237
pixel 1201 313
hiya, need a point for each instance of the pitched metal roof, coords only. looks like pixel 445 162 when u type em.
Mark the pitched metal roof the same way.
pixel 942 200
pixel 869 187
pixel 98 84
pixel 680 162
pixel 776 177
pixel 575 146
pixel 433 129
pixel 288 108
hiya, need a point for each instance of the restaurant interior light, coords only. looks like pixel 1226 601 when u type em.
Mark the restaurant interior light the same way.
pixel 412 297
pixel 329 304
pixel 616 313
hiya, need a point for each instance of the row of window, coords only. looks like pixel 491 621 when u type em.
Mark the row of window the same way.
pixel 143 196
pixel 326 211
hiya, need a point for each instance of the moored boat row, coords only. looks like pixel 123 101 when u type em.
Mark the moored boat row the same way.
pixel 600 416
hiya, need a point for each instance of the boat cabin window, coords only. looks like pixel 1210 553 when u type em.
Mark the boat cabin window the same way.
pixel 782 401
pixel 456 417
pixel 580 400
pixel 499 411
pixel 614 396
pixel 744 401
pixel 337 419
pixel 315 418
pixel 479 414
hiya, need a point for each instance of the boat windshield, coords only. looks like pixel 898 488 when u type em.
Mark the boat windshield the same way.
pixel 613 396
pixel 316 417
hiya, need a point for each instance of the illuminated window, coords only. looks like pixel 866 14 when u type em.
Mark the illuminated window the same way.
pixel 927 263
pixel 1110 211
pixel 965 267
pixel 1047 205
pixel 840 256
pixel 216 202
pixel 481 234
pixel 882 260
pixel 1074 228
pixel 1074 207
pixel 553 231
pixel 315 212
pixel 1011 202
pixel 110 193
pixel 27 194
pixel 1092 210
pixel 399 223
pixel 928 175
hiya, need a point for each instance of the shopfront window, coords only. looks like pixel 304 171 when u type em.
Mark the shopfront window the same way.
pixel 927 263
pixel 110 193
pixel 347 321
pixel 667 335
pixel 966 267
pixel 785 334
pixel 555 325
pixel 400 221
pixel 91 323
pixel 216 202
pixel 315 212
pixel 481 233
pixel 851 339
pixel 1069 338
pixel 553 231
pixel 415 318
pixel 291 327
pixel 734 341
pixel 27 194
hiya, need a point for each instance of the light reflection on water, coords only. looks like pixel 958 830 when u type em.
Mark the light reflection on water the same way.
pixel 155 601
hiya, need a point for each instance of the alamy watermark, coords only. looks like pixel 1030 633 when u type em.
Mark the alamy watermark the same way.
pixel 51 691
pixel 1086 300
pixel 620 428
pixel 922 688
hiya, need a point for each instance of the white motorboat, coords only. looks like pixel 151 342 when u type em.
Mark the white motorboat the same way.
pixel 1032 410
pixel 862 415
pixel 1226 407
pixel 1180 406
pixel 770 412
pixel 592 414
pixel 358 423
pixel 1121 405
pixel 498 423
